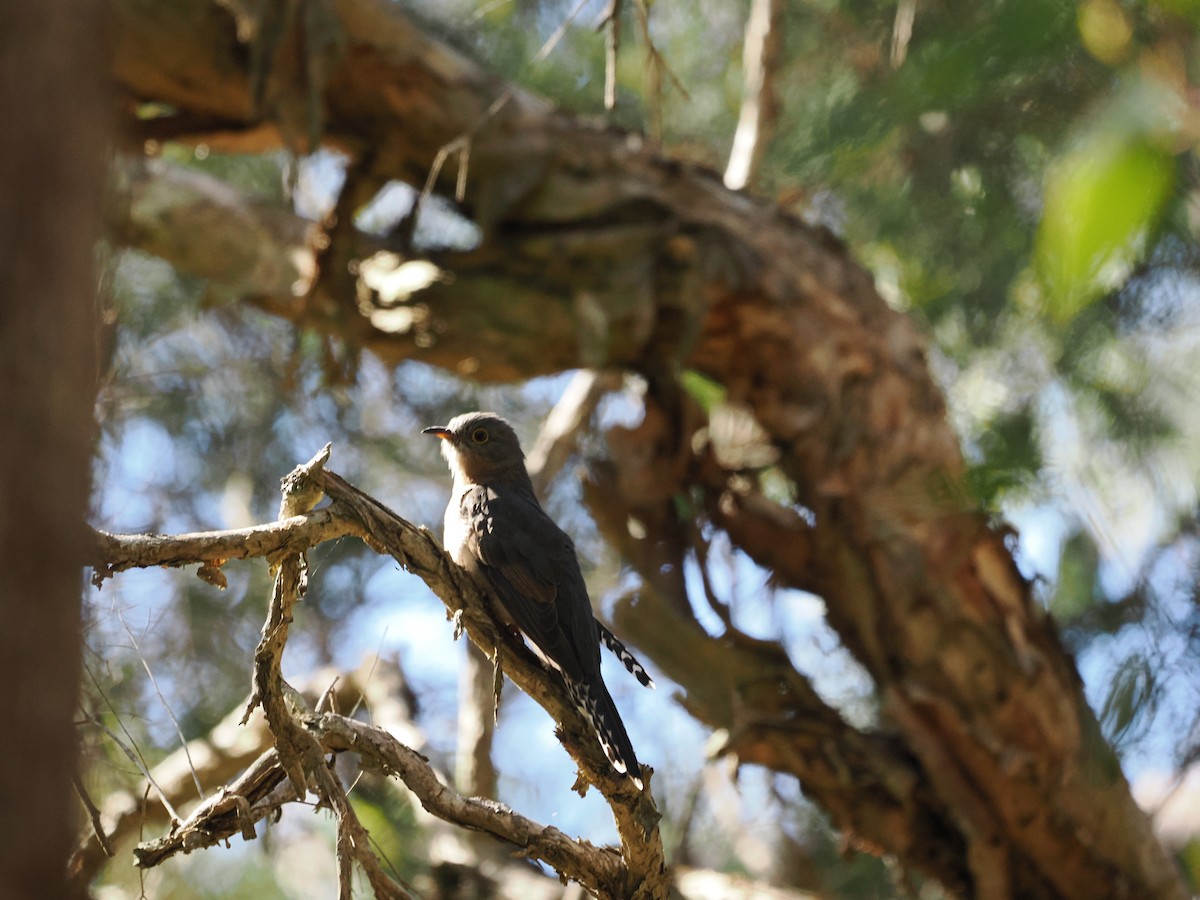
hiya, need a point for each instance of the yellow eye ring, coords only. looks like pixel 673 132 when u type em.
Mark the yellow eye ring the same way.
pixel 479 436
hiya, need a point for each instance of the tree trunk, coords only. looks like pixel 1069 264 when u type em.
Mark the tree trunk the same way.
pixel 51 167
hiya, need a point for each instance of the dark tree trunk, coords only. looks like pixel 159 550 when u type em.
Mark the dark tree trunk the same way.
pixel 51 169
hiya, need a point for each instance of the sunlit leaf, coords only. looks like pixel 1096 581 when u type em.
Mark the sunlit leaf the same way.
pixel 1102 200
pixel 704 390
pixel 1105 30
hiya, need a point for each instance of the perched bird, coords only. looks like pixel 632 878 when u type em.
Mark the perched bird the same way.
pixel 496 529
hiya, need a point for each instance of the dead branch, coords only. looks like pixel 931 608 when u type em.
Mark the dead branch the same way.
pixel 117 552
pixel 300 757
pixel 559 432
pixel 761 58
pixel 227 751
pixel 297 764
pixel 263 788
pixel 598 869
pixel 419 552
pixel 93 816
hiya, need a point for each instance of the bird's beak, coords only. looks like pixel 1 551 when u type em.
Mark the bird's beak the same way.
pixel 439 431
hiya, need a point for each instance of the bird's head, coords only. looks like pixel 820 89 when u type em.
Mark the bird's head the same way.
pixel 481 447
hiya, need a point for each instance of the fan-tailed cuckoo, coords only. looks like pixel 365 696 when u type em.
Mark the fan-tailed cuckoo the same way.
pixel 496 529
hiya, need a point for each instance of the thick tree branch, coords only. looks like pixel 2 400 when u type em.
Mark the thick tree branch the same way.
pixel 253 250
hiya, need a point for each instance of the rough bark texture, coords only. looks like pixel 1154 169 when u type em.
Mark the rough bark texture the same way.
pixel 50 177
pixel 596 251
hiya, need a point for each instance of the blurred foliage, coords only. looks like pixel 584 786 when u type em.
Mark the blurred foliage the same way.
pixel 1100 201
pixel 1130 700
pixel 1189 862
pixel 1020 177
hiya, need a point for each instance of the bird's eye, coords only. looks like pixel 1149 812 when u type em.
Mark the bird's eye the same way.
pixel 479 436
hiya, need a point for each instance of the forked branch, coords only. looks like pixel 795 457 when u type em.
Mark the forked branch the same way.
pixel 298 762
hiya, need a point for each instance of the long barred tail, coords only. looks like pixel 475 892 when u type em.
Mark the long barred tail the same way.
pixel 596 705
pixel 613 643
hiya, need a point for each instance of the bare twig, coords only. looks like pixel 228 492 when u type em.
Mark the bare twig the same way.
pixel 135 758
pixel 131 749
pixel 345 865
pixel 354 840
pixel 462 146
pixel 760 105
pixel 166 705
pixel 653 71
pixel 552 41
pixel 722 610
pixel 558 436
pixel 902 29
pixel 93 815
pixel 610 21
pixel 656 67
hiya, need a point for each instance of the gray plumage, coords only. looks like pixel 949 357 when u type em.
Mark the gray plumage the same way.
pixel 496 529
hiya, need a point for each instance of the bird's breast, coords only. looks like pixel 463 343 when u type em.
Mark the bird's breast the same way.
pixel 456 529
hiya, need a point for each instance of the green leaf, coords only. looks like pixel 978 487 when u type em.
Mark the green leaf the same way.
pixel 1077 588
pixel 1189 9
pixel 1011 457
pixel 1102 199
pixel 1189 860
pixel 704 390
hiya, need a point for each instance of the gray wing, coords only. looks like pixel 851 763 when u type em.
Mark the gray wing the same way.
pixel 531 565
